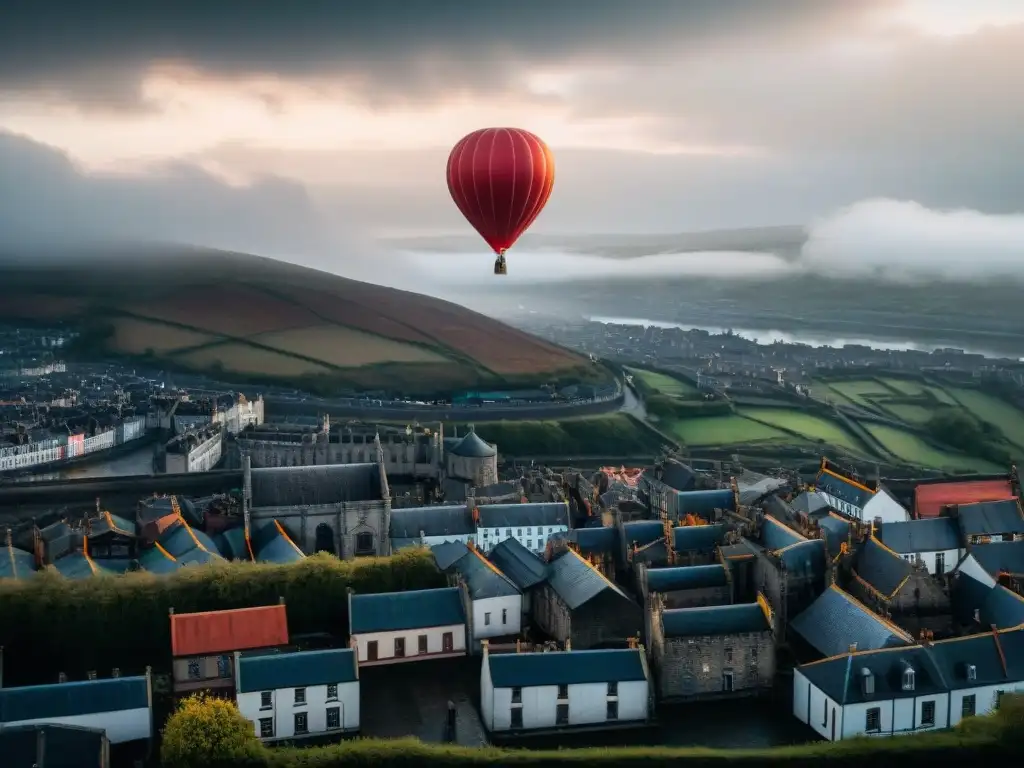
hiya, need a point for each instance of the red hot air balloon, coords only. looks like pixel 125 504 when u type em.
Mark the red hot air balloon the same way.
pixel 501 179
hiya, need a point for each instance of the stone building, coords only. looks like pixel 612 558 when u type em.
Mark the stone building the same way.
pixel 197 450
pixel 472 461
pixel 599 546
pixel 688 586
pixel 340 508
pixel 712 652
pixel 789 569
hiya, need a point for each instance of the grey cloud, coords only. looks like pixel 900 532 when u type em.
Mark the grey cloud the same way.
pixel 96 51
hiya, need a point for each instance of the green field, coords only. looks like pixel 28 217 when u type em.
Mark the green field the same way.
pixel 860 392
pixel 905 386
pixel 914 450
pixel 809 425
pixel 991 409
pixel 909 413
pixel 612 435
pixel 942 395
pixel 723 430
pixel 666 385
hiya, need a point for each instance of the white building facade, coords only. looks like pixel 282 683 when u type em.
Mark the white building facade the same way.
pixel 495 603
pixel 529 524
pixel 562 690
pixel 395 627
pixel 202 457
pixel 299 695
pixel 934 542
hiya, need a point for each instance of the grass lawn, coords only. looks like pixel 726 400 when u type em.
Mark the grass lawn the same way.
pixel 860 391
pixel 612 435
pixel 807 424
pixel 666 385
pixel 912 414
pixel 914 450
pixel 942 395
pixel 905 386
pixel 722 430
pixel 998 413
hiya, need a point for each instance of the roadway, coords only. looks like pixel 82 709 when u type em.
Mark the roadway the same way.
pixel 60 492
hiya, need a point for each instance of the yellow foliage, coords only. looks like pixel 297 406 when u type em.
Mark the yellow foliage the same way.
pixel 207 731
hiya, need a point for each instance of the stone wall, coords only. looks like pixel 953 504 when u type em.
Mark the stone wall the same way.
pixel 695 598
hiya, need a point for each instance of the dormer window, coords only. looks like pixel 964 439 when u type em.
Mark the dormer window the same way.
pixel 972 672
pixel 867 682
pixel 908 679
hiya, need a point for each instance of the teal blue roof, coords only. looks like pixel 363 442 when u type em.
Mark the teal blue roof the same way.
pixel 686 577
pixel 154 561
pixel 1002 607
pixel 275 546
pixel 697 538
pixel 87 697
pixel 703 503
pixel 180 540
pixel 776 535
pixel 16 563
pixel 414 609
pixel 577 582
pixel 302 669
pixel 715 620
pixel 526 670
pixel 835 621
pixel 76 566
pixel 231 544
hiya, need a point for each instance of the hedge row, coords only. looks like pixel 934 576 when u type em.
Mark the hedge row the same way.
pixel 50 624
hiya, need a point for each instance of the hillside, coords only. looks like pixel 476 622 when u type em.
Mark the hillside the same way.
pixel 247 317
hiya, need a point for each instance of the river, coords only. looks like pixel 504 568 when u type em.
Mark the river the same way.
pixel 137 462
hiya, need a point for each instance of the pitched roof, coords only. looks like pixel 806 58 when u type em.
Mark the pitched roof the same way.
pixel 805 557
pixel 840 677
pixel 64 746
pixel 991 518
pixel 676 475
pixel 317 484
pixel 414 609
pixel 836 620
pixel 954 656
pixel 63 700
pixel 837 531
pixel 446 520
pixel 482 577
pixel 519 515
pixel 967 597
pixel 776 535
pixel 697 538
pixel 231 544
pixel 752 490
pixel 930 498
pixel 715 620
pixel 842 488
pixel 448 553
pixel 108 523
pixel 472 446
pixel 935 534
pixel 241 629
pixel 16 563
pixel 576 581
pixel 642 532
pixel 810 503
pixel 301 669
pixel 1000 557
pixel 276 546
pixel 78 565
pixel 686 577
pixel 599 540
pixel 526 670
pixel 522 566
pixel 881 569
pixel 181 540
pixel 703 503
pixel 1003 608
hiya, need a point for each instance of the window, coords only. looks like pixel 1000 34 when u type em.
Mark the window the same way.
pixel 332 691
pixel 727 682
pixel 301 723
pixel 940 562
pixel 300 696
pixel 999 698
pixel 333 717
pixel 447 642
pixel 562 714
pixel 825 708
pixel 508 532
pixel 529 531
pixel 371 650
pixel 728 655
pixel 972 672
pixel 927 713
pixel 266 727
pixel 266 699
pixel 613 689
pixel 519 533
pixel 399 647
pixel 517 717
pixel 364 544
pixel 908 679
pixel 612 711
pixel 563 691
pixel 193 669
pixel 873 720
pixel 517 695
pixel 753 653
pixel 422 643
pixel 504 615
pixel 487 619
pixel 530 544
pixel 968 706
pixel 224 666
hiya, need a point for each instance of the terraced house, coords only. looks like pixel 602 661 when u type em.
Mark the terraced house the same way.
pixel 395 627
pixel 933 542
pixel 837 622
pixel 788 568
pixel 856 499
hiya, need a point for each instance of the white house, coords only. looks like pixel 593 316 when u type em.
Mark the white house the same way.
pixel 120 706
pixel 530 524
pixel 430 526
pixel 883 508
pixel 298 695
pixel 935 541
pixel 564 689
pixel 393 627
pixel 908 690
pixel 841 493
pixel 496 605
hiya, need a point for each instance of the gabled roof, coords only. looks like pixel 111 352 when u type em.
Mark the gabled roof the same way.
pixel 64 746
pixel 600 540
pixel 215 632
pixel 676 475
pixel 991 518
pixel 414 609
pixel 967 597
pixel 76 565
pixel 642 532
pixel 837 530
pixel 776 535
pixel 16 563
pixel 686 577
pixel 752 490
pixel 472 446
pixel 1002 608
pixel 483 579
pixel 738 619
pixel 703 503
pixel 182 540
pixel 930 498
pixel 805 557
pixel 276 546
pixel 108 523
pixel 843 488
pixel 302 669
pixel 316 484
pixel 554 513
pixel 448 553
pixel 1000 557
pixel 810 503
pixel 880 569
pixel 527 670
pixel 936 534
pixel 697 538
pixel 75 699
pixel 986 653
pixel 231 544
pixel 431 521
pixel 519 564
pixel 577 582
pixel 841 677
pixel 836 620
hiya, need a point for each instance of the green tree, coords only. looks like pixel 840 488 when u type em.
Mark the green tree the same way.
pixel 205 731
pixel 958 429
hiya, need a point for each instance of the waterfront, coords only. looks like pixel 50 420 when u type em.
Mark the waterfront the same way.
pixel 139 461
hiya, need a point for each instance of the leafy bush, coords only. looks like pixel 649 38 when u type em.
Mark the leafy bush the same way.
pixel 123 621
pixel 614 435
pixel 206 731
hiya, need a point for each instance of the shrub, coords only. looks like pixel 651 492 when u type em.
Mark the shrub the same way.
pixel 206 731
pixel 123 621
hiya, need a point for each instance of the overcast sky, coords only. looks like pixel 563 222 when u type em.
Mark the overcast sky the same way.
pixel 286 128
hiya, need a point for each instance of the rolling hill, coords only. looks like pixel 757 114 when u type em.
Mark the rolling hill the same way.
pixel 252 318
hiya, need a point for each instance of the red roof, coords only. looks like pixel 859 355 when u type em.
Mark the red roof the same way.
pixel 931 498
pixel 215 632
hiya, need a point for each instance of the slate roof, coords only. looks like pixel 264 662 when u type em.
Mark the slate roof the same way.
pixel 519 564
pixel 968 595
pixel 930 498
pixel 642 532
pixel 576 581
pixel 840 677
pixel 523 515
pixel 482 578
pixel 302 669
pixel 776 535
pixel 472 446
pixel 686 577
pixel 810 503
pixel 842 488
pixel 276 546
pixel 62 700
pixel 837 531
pixel 414 609
pixel 432 521
pixel 315 484
pixel 1003 608
pixel 231 544
pixel 744 549
pixel 881 568
pixel 16 563
pixel 64 746
pixel 715 620
pixel 779 509
pixel 208 633
pixel 108 523
pixel 77 565
pixel 677 475
pixel 991 518
pixel 836 620
pixel 1000 557
pixel 654 553
pixel 448 553
pixel 601 540
pixel 188 545
pixel 697 538
pixel 936 534
pixel 750 492
pixel 703 503
pixel 953 657
pixel 527 670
